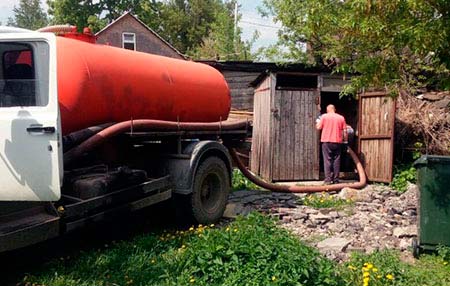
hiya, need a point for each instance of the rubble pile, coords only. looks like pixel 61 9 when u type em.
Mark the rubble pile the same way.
pixel 377 218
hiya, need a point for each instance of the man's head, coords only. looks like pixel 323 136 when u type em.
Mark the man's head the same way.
pixel 331 108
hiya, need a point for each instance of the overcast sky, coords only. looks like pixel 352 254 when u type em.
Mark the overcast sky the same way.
pixel 250 21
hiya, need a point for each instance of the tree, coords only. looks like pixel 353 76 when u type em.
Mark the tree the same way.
pixel 224 39
pixel 28 15
pixel 398 44
pixel 75 12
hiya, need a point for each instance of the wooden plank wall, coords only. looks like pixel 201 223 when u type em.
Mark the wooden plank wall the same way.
pixel 376 131
pixel 261 146
pixel 241 93
pixel 295 140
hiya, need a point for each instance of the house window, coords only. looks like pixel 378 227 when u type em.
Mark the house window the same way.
pixel 129 41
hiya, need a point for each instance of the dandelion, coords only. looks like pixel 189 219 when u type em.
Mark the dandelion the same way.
pixel 369 265
pixel 366 281
pixel 191 228
pixel 445 263
pixel 227 229
pixel 211 225
pixel 153 261
pixel 366 274
pixel 379 276
pixel 375 269
pixel 390 277
pixel 192 280
pixel 351 267
pixel 235 230
pixel 274 278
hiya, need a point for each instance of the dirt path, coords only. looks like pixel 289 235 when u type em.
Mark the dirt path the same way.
pixel 378 218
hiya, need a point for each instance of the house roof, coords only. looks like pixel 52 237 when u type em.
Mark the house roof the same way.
pixel 145 26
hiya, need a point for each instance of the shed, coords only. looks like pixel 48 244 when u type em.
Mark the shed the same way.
pixel 285 143
pixel 129 32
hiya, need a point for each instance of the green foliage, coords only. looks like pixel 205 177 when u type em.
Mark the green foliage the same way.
pixel 240 182
pixel 249 251
pixel 199 28
pixel 385 268
pixel 417 152
pixel 324 200
pixel 403 175
pixel 444 252
pixel 399 44
pixel 29 15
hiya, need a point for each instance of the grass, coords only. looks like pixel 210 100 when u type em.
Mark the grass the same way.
pixel 324 200
pixel 249 251
pixel 385 268
pixel 240 182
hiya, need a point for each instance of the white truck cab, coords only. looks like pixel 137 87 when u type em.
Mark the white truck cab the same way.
pixel 30 151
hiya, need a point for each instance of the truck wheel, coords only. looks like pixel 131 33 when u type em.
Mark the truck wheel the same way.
pixel 210 191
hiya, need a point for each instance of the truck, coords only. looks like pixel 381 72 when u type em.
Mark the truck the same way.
pixel 89 132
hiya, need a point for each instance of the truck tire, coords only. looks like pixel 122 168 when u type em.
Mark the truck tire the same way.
pixel 210 191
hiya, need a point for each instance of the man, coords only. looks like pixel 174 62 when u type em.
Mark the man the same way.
pixel 334 133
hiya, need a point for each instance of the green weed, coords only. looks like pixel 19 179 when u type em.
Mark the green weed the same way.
pixel 403 175
pixel 324 200
pixel 249 251
pixel 240 182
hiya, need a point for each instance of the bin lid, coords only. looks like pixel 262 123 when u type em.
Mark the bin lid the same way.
pixel 426 159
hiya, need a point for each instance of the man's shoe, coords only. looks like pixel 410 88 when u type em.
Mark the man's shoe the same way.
pixel 336 182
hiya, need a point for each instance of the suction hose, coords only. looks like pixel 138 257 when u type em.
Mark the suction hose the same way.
pixel 145 125
pixel 159 125
pixel 58 29
pixel 303 189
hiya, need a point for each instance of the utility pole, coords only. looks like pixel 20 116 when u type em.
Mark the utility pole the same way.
pixel 235 36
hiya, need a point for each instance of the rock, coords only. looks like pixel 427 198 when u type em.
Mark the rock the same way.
pixel 404 244
pixel 433 96
pixel 335 244
pixel 232 210
pixel 355 195
pixel 319 218
pixel 408 231
pixel 442 103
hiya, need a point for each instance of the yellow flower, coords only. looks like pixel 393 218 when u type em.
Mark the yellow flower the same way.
pixel 321 201
pixel 274 278
pixel 379 276
pixel 369 265
pixel 235 230
pixel 351 267
pixel 192 280
pixel 390 277
pixel 366 274
pixel 365 269
pixel 211 225
pixel 366 280
pixel 445 263
pixel 191 228
pixel 153 261
pixel 183 246
pixel 227 229
pixel 375 269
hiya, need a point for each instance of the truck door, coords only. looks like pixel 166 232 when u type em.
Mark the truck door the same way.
pixel 30 151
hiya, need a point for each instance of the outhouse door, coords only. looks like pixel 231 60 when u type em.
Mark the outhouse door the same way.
pixel 376 135
pixel 295 154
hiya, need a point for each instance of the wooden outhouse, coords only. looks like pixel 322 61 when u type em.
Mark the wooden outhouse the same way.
pixel 285 143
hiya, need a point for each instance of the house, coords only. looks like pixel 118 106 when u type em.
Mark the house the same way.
pixel 129 32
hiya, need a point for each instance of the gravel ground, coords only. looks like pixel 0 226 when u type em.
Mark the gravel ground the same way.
pixel 377 218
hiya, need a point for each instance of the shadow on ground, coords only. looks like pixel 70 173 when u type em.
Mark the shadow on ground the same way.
pixel 16 264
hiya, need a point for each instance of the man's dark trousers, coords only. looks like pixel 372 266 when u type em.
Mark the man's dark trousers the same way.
pixel 332 161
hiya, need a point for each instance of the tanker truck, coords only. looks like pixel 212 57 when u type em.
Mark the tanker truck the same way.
pixel 90 132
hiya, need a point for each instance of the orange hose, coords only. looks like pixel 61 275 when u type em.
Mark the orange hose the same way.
pixel 58 29
pixel 303 189
pixel 145 125
pixel 159 125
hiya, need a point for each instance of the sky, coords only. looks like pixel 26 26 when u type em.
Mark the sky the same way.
pixel 250 21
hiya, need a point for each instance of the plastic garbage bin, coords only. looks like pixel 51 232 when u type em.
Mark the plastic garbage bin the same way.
pixel 433 180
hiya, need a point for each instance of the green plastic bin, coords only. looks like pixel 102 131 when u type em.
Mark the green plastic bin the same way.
pixel 433 180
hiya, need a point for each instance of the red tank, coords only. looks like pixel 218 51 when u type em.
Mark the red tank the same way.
pixel 99 84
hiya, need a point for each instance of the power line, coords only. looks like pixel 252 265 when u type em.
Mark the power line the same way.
pixel 260 25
